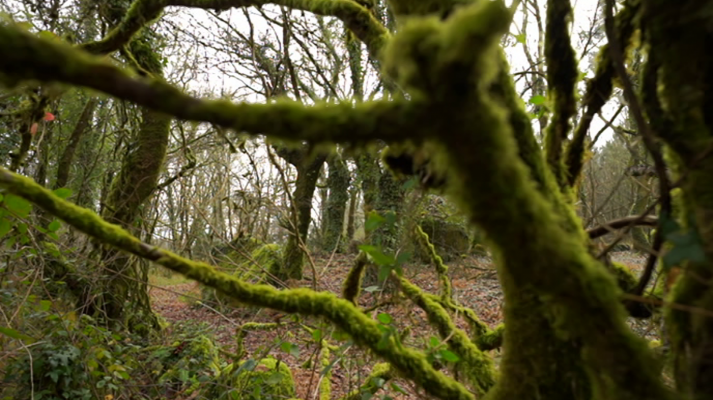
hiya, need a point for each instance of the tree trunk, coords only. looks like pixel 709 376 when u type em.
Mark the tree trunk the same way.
pixel 338 185
pixel 308 168
pixel 124 297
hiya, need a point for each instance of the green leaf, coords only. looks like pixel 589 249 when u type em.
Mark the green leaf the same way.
pixel 317 335
pixel 384 318
pixel 384 271
pixel 5 227
pixel 449 356
pixel 15 334
pixel 377 255
pixel 520 38
pixel 291 349
pixel 403 257
pixel 274 378
pixel 45 305
pixel 371 289
pixel 409 184
pixel 62 193
pixel 537 100
pixel 395 387
pixel 18 205
pixel 433 341
pixel 54 226
pixel 373 221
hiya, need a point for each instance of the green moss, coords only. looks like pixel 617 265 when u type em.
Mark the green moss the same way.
pixel 625 279
pixel 325 376
pixel 199 357
pixel 268 379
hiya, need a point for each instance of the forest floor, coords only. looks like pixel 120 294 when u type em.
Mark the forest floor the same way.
pixel 474 285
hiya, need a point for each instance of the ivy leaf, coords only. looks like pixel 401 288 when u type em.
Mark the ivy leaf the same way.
pixel 395 387
pixel 384 271
pixel 45 305
pixel 5 226
pixel 62 193
pixel 18 205
pixel 54 226
pixel 384 318
pixel 449 356
pixel 433 341
pixel 291 349
pixel 537 100
pixel 377 255
pixel 274 378
pixel 373 221
pixel 9 332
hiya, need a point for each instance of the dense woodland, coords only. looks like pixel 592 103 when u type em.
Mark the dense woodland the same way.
pixel 354 199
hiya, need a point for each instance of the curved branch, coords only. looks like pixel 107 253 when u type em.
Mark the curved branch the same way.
pixel 356 17
pixel 561 79
pixel 626 222
pixel 342 313
pixel 598 92
pixel 29 57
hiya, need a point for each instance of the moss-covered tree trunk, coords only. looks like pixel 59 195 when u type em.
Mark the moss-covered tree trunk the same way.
pixel 124 296
pixel 308 167
pixel 368 173
pixel 337 199
pixel 677 92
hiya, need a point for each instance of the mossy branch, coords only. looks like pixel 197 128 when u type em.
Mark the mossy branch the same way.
pixel 356 17
pixel 476 366
pixel 29 57
pixel 363 330
pixel 561 78
pixel 441 267
pixel 352 284
pixel 139 15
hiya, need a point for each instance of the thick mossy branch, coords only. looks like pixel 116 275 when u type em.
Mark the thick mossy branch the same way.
pixel 598 91
pixel 29 57
pixel 477 367
pixel 363 330
pixel 561 78
pixel 541 251
pixel 492 339
pixel 140 14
